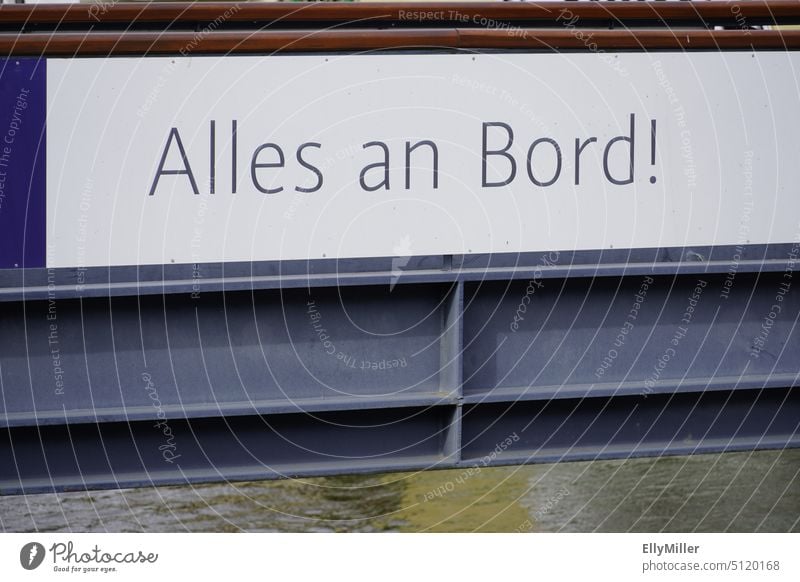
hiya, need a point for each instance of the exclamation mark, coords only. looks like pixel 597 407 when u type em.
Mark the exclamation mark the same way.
pixel 233 156
pixel 652 147
pixel 213 161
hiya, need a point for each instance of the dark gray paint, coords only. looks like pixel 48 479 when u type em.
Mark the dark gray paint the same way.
pixel 249 392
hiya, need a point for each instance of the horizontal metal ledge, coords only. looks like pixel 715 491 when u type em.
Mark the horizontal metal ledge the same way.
pixel 70 44
pixel 431 462
pixel 637 388
pixel 707 446
pixel 307 405
pixel 618 427
pixel 225 409
pixel 299 281
pixel 294 471
pixel 126 455
pixel 123 454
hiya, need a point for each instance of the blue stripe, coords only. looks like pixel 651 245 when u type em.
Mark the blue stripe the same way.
pixel 23 209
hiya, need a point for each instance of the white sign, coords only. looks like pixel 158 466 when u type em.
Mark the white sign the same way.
pixel 249 158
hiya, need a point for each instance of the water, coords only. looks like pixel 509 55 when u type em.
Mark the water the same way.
pixel 729 492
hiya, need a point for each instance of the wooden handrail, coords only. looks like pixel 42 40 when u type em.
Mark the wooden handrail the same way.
pixel 533 13
pixel 221 28
pixel 104 44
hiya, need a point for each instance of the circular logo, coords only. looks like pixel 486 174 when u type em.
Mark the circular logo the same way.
pixel 31 555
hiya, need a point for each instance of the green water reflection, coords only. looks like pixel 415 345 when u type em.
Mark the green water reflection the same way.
pixel 730 492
